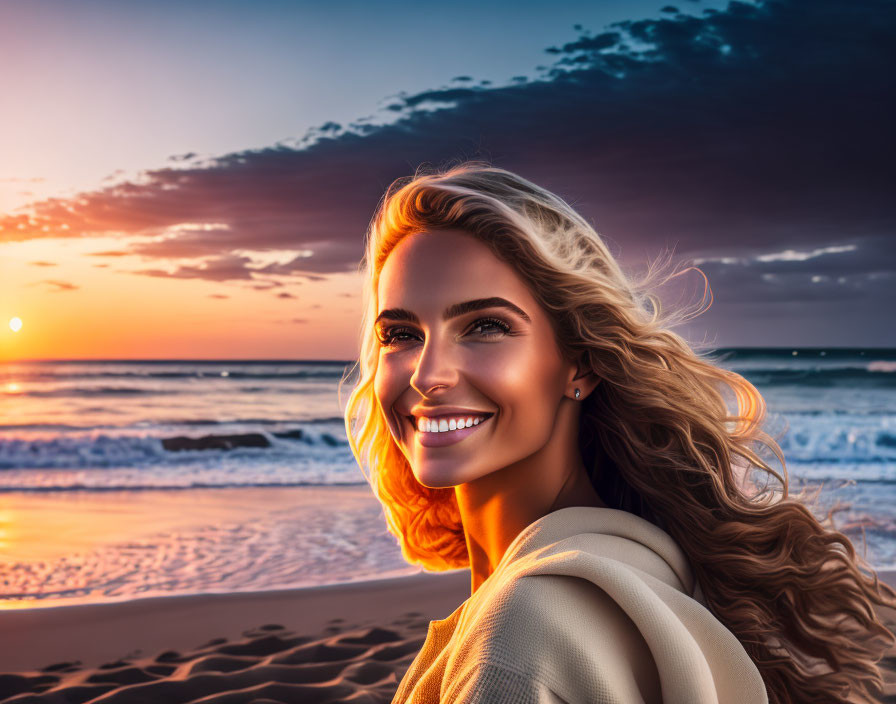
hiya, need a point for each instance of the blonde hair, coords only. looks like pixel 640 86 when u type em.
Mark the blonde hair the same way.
pixel 656 436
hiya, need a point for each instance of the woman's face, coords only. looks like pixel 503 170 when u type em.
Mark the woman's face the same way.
pixel 491 361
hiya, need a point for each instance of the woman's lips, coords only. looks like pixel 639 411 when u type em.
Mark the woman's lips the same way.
pixel 447 437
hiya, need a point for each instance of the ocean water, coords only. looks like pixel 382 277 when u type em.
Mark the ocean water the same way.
pixel 106 425
pixel 121 426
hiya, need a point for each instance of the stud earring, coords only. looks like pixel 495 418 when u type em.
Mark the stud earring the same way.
pixel 578 393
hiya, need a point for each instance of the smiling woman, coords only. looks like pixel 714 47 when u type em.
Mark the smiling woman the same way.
pixel 524 410
pixel 492 362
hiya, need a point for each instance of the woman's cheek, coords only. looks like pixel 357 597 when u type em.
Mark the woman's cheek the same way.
pixel 512 375
pixel 386 391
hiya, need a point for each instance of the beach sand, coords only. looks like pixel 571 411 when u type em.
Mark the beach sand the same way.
pixel 343 642
pixel 350 642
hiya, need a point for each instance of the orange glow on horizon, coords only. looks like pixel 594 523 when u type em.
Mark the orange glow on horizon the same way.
pixel 90 308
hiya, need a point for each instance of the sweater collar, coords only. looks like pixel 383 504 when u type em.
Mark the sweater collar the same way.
pixel 574 520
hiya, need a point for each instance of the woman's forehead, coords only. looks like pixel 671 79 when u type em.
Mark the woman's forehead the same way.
pixel 445 259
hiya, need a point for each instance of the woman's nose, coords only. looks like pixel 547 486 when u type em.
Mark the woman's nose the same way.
pixel 435 367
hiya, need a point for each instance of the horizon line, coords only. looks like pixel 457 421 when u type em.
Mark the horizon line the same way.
pixel 249 360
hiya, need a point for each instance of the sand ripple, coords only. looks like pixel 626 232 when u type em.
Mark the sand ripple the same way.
pixel 269 665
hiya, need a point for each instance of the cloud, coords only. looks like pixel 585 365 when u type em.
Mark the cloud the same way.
pixel 116 253
pixel 285 294
pixel 218 295
pixel 757 129
pixel 790 255
pixel 227 267
pixel 834 273
pixel 43 263
pixel 59 285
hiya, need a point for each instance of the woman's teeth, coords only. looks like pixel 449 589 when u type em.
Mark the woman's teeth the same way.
pixel 441 425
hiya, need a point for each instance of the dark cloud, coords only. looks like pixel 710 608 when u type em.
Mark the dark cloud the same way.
pixel 227 267
pixel 232 267
pixel 285 294
pixel 745 131
pixel 326 257
pixel 852 269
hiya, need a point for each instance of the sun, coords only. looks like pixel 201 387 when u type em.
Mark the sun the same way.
pixel 15 324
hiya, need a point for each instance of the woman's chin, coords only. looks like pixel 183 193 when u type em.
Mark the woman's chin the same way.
pixel 432 478
pixel 437 484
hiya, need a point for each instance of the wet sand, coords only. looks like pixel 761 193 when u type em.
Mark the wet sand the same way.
pixel 59 548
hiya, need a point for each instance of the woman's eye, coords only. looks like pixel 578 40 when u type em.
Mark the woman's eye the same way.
pixel 389 335
pixel 492 323
pixel 395 335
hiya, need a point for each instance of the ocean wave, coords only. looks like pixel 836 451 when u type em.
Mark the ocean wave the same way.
pixel 809 437
pixel 130 486
pixel 836 473
pixel 30 374
pixel 23 391
pixel 856 439
pixel 91 391
pixel 143 425
pixel 99 450
pixel 867 377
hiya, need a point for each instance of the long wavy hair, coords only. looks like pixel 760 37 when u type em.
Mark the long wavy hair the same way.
pixel 657 438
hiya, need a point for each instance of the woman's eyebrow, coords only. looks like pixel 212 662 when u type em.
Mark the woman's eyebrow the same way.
pixel 455 310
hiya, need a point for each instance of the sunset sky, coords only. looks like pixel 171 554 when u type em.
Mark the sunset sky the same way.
pixel 194 180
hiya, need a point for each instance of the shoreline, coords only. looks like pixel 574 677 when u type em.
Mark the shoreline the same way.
pixel 70 548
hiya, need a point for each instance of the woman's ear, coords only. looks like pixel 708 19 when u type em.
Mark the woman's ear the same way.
pixel 584 379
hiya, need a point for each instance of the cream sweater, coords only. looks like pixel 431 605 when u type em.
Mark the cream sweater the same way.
pixel 587 606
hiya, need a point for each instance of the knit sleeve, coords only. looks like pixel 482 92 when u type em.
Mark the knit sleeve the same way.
pixel 489 683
